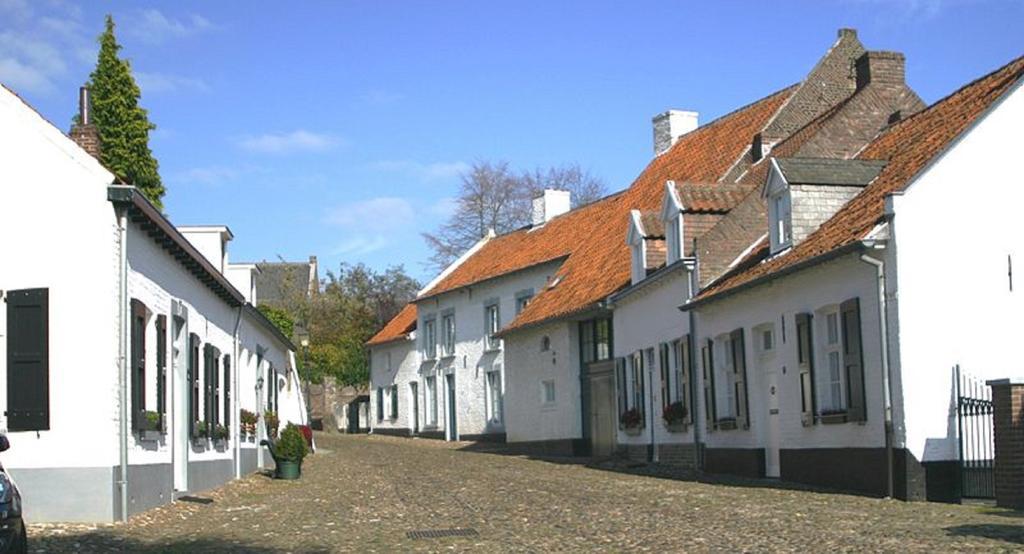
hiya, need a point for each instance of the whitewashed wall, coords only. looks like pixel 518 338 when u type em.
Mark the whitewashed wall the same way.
pixel 645 319
pixel 528 417
pixel 954 228
pixel 397 363
pixel 58 231
pixel 472 360
pixel 776 304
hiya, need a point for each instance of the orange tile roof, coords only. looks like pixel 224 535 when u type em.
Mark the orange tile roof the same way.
pixel 598 261
pixel 908 146
pixel 398 328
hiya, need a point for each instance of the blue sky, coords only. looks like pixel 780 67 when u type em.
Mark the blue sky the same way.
pixel 340 128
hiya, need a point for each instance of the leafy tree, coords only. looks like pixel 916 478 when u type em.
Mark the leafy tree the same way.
pixel 493 196
pixel 279 318
pixel 123 125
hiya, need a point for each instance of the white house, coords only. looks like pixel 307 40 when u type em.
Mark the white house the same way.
pixel 826 352
pixel 126 354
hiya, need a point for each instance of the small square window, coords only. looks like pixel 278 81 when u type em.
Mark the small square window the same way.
pixel 548 391
pixel 767 340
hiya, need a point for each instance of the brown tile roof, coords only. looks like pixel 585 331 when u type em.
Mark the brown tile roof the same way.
pixel 654 228
pixel 711 197
pixel 908 146
pixel 398 328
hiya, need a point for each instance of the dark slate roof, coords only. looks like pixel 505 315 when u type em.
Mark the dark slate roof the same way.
pixel 829 171
pixel 276 279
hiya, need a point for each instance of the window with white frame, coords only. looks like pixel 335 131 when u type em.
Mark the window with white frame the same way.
pixel 494 398
pixel 548 392
pixel 764 339
pixel 523 298
pixel 493 324
pixel 673 239
pixel 781 220
pixel 832 390
pixel 431 399
pixel 448 334
pixel 639 266
pixel 430 338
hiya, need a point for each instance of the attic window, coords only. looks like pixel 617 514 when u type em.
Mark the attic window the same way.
pixel 756 149
pixel 895 117
pixel 545 343
pixel 781 222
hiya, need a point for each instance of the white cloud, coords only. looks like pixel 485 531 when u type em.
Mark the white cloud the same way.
pixel 294 141
pixel 436 171
pixel 163 82
pixel 385 213
pixel 153 26
pixel 213 175
pixel 37 52
pixel 360 245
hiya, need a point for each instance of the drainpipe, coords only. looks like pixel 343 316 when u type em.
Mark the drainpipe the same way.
pixel 886 377
pixel 122 347
pixel 235 390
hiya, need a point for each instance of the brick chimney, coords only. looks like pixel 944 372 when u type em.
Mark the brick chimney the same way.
pixel 883 68
pixel 671 125
pixel 84 132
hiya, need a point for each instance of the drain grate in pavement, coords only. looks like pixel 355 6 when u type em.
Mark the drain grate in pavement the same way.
pixel 441 533
pixel 195 499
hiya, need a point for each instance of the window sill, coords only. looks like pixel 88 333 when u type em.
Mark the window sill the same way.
pixel 679 427
pixel 492 349
pixel 726 425
pixel 834 419
pixel 633 431
pixel 150 435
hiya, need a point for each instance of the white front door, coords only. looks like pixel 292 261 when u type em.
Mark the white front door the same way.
pixel 772 440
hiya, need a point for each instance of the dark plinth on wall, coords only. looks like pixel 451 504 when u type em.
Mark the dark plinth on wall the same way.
pixel 1008 431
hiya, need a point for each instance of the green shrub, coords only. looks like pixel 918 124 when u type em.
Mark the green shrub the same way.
pixel 292 445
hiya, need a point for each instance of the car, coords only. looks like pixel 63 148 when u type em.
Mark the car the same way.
pixel 13 538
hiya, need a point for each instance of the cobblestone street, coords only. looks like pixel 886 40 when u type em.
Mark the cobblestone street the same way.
pixel 367 493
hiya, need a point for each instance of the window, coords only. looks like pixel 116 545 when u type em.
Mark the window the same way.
pixel 545 343
pixel 161 366
pixel 430 338
pixel 493 324
pixel 548 391
pixel 494 397
pixel 727 390
pixel 805 363
pixel 639 267
pixel 431 403
pixel 28 360
pixel 211 382
pixel 138 365
pixel 595 340
pixel 394 401
pixel 673 239
pixel 831 396
pixel 523 298
pixel 767 340
pixel 448 335
pixel 781 221
pixel 380 403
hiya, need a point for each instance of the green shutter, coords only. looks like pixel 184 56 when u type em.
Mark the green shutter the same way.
pixel 137 374
pixel 161 366
pixel 805 364
pixel 739 367
pixel 708 362
pixel 853 360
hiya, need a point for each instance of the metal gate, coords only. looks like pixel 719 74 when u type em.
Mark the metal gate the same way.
pixel 974 426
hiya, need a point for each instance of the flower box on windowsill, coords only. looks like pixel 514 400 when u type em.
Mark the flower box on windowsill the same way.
pixel 727 424
pixel 200 442
pixel 633 431
pixel 151 435
pixel 676 427
pixel 832 418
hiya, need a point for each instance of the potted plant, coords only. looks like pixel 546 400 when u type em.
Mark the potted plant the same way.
pixel 289 452
pixel 833 416
pixel 219 433
pixel 632 420
pixel 248 420
pixel 675 416
pixel 151 425
pixel 270 419
pixel 200 434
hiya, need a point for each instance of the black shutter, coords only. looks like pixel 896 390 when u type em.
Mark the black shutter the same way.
pixel 739 368
pixel 215 387
pixel 138 364
pixel 193 383
pixel 28 360
pixel 686 375
pixel 394 401
pixel 666 378
pixel 227 390
pixel 161 366
pixel 708 361
pixel 853 360
pixel 643 389
pixel 805 363
pixel 620 383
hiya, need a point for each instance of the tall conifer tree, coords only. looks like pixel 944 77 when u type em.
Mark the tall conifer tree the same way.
pixel 122 124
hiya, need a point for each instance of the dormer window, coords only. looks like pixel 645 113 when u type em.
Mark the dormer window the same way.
pixel 673 239
pixel 638 269
pixel 781 221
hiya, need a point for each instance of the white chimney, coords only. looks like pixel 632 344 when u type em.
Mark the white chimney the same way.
pixel 549 204
pixel 671 125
